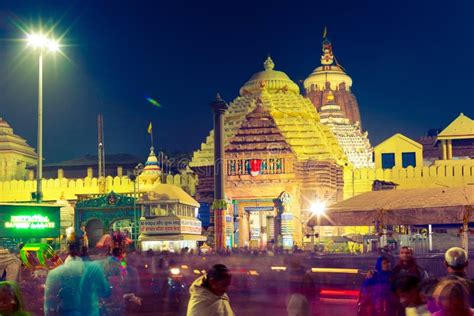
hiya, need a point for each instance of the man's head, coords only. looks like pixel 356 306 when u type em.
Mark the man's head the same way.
pixel 383 264
pixel 74 248
pixel 406 254
pixel 407 290
pixel 452 296
pixel 218 279
pixel 10 302
pixel 455 259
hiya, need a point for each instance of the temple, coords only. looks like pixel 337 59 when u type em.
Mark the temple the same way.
pixel 355 144
pixel 330 76
pixel 279 158
pixel 15 154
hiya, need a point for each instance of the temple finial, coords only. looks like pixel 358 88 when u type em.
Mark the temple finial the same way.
pixel 269 64
pixel 325 32
pixel 218 97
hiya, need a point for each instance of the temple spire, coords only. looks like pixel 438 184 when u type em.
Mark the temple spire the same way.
pixel 269 64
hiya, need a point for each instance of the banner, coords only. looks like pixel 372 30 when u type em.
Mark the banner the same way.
pixel 170 225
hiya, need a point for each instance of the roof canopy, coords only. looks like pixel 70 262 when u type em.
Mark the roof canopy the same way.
pixel 461 128
pixel 167 193
pixel 404 207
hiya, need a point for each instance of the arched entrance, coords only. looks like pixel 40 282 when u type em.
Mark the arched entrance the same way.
pixel 124 225
pixel 95 230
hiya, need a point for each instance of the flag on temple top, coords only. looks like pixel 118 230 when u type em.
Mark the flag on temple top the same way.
pixel 150 128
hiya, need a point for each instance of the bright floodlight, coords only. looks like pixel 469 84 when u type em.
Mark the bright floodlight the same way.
pixel 318 208
pixel 38 40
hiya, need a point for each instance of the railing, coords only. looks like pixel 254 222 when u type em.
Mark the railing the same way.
pixel 259 166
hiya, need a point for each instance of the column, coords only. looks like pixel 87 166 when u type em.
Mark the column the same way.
pixel 219 107
pixel 444 155
pixel 450 149
pixel 244 228
pixel 60 173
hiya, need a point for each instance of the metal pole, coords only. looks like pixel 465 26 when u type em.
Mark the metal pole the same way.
pixel 319 230
pixel 39 168
pixel 312 238
pixel 135 211
pixel 430 238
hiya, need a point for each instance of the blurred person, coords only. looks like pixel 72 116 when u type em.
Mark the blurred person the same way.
pixel 62 292
pixel 426 290
pixel 452 297
pixel 408 291
pixel 408 266
pixel 209 293
pixel 94 286
pixel 124 282
pixel 10 266
pixel 456 262
pixel 376 296
pixel 301 288
pixel 11 302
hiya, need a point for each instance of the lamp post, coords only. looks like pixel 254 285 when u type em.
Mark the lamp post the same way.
pixel 43 44
pixel 135 178
pixel 318 208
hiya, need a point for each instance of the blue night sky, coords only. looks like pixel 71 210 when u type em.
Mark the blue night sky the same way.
pixel 411 63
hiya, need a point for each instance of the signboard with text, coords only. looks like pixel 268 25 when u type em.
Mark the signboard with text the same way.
pixel 170 225
pixel 36 221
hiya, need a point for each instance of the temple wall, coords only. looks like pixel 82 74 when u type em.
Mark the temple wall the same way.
pixel 56 189
pixel 360 180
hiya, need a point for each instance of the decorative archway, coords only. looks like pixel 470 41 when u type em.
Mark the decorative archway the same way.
pixel 106 208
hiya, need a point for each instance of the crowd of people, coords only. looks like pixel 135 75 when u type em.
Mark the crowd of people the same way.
pixel 112 284
pixel 407 288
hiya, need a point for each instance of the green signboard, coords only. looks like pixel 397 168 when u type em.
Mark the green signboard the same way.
pixel 27 220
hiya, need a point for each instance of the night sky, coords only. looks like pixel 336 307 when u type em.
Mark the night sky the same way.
pixel 411 63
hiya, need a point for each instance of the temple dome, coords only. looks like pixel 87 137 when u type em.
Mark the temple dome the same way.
pixel 335 75
pixel 269 79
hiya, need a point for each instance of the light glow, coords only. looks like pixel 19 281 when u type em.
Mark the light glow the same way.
pixel 318 208
pixel 278 268
pixel 174 271
pixel 334 270
pixel 339 292
pixel 29 222
pixel 38 40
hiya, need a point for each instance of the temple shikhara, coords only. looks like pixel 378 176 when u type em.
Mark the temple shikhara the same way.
pixel 328 78
pixel 355 144
pixel 279 158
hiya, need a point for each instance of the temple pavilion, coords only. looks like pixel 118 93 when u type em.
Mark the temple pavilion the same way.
pixel 279 159
pixel 354 143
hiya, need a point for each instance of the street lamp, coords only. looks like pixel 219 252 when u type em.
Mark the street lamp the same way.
pixel 43 44
pixel 318 208
pixel 135 177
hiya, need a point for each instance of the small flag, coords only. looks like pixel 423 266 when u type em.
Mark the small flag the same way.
pixel 150 128
pixel 153 101
pixel 325 32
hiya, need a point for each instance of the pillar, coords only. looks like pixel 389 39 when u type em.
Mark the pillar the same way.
pixel 219 206
pixel 244 228
pixel 450 149
pixel 444 154
pixel 60 173
pixel 90 172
